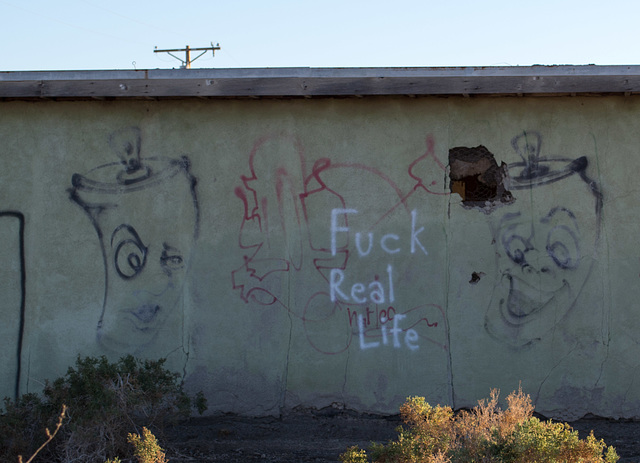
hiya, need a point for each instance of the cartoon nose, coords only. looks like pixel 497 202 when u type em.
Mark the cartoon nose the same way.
pixel 538 263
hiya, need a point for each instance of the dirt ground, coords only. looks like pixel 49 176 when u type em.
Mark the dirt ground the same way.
pixel 321 436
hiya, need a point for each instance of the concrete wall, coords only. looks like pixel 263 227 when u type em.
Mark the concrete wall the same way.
pixel 285 253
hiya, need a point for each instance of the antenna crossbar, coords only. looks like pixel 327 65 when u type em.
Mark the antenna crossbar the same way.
pixel 186 63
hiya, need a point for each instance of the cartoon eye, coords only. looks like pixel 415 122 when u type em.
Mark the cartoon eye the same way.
pixel 130 255
pixel 563 247
pixel 516 247
pixel 171 260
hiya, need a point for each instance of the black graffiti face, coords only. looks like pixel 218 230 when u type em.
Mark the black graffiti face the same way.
pixel 555 234
pixel 544 253
pixel 150 277
pixel 542 259
pixel 130 254
pixel 148 239
pixel 545 242
pixel 145 211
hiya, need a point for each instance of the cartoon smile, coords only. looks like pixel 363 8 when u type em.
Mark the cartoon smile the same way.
pixel 144 315
pixel 524 299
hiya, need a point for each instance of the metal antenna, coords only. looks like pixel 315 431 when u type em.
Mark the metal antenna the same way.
pixel 186 63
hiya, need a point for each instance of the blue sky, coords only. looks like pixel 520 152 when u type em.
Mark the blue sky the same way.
pixel 116 34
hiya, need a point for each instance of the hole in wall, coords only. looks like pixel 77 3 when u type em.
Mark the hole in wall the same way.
pixel 475 175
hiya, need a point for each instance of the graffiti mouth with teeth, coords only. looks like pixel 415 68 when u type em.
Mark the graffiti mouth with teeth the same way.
pixel 525 300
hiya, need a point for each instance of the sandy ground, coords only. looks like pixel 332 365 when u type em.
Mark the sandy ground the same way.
pixel 322 436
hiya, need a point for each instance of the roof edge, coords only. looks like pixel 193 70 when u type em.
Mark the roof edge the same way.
pixel 309 82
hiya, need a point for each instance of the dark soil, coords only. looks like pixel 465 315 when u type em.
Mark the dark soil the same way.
pixel 624 435
pixel 321 436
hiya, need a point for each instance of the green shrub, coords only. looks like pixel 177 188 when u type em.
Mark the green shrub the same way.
pixel 484 434
pixel 539 441
pixel 354 455
pixel 105 401
pixel 146 446
pixel 22 426
pixel 50 435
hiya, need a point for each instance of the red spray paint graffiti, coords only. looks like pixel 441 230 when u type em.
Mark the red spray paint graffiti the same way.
pixel 286 234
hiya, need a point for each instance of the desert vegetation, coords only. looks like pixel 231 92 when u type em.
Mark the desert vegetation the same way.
pixel 485 433
pixel 99 411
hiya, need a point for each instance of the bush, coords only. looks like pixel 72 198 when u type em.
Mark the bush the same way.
pixel 146 446
pixel 105 401
pixel 484 434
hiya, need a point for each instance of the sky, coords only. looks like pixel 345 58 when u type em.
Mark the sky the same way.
pixel 116 34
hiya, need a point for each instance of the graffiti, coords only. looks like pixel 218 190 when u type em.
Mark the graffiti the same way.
pixel 544 253
pixel 302 226
pixel 146 215
pixel 376 288
pixel 373 327
pixel 415 243
pixel 361 292
pixel 410 335
pixel 12 301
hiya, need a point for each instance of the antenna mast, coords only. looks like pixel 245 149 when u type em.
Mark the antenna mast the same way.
pixel 186 63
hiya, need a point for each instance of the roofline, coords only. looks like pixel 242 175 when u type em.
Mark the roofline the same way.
pixel 321 82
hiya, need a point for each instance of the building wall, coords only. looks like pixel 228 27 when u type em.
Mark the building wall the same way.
pixel 285 253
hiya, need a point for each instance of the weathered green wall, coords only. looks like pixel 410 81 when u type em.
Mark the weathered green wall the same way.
pixel 231 247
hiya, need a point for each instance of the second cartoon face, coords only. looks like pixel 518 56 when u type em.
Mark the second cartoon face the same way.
pixel 544 253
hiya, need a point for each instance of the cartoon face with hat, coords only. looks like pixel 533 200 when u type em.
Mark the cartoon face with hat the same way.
pixel 545 243
pixel 145 212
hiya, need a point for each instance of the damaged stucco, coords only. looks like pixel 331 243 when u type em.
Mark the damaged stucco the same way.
pixel 322 252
